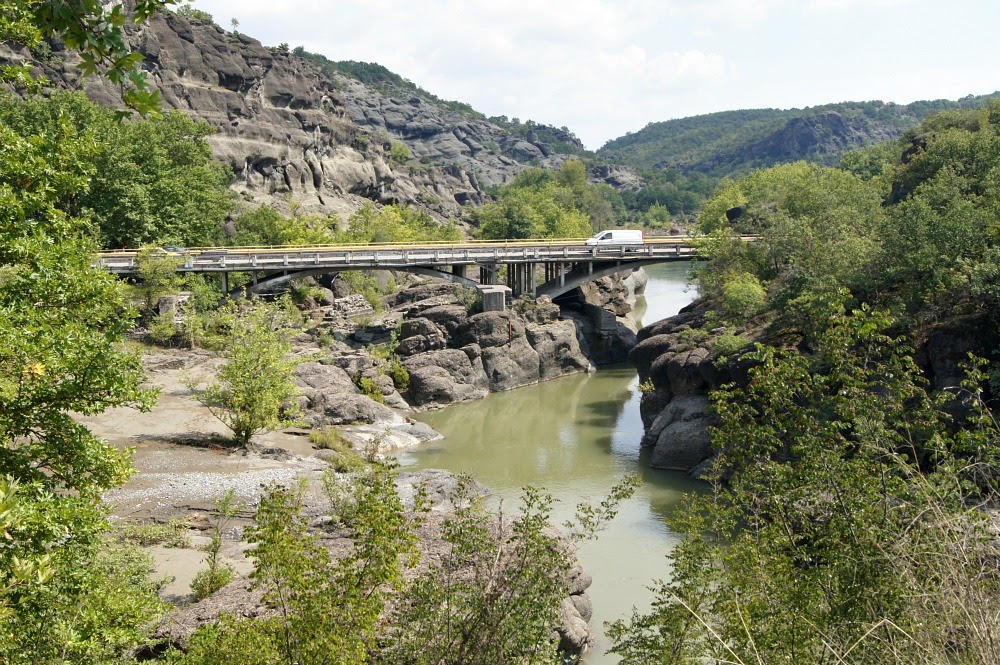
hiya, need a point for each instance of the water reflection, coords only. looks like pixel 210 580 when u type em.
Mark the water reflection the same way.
pixel 576 437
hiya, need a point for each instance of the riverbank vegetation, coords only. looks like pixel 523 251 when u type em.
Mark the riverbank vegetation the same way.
pixel 852 515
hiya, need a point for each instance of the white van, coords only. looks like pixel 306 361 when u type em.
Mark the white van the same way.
pixel 616 237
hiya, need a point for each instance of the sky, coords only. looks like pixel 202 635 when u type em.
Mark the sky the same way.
pixel 604 68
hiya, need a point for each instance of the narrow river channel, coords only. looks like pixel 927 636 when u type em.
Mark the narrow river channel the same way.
pixel 575 437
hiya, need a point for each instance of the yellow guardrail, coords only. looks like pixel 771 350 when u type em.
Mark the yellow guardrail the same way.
pixel 247 249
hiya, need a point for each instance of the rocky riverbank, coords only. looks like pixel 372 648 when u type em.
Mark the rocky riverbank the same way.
pixel 682 359
pixel 184 461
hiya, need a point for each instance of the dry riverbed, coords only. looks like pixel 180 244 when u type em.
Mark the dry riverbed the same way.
pixel 183 465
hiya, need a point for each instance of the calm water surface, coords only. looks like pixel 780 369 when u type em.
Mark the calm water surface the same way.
pixel 576 437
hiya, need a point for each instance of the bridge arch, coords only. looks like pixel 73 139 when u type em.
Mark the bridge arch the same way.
pixel 578 277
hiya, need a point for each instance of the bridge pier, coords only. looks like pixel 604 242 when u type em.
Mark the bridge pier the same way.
pixel 488 274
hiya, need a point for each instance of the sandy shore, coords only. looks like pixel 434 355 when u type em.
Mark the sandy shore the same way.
pixel 183 465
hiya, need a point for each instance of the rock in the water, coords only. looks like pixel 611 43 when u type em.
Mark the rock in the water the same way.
pixel 682 440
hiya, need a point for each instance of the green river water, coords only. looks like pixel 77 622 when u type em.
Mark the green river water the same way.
pixel 575 437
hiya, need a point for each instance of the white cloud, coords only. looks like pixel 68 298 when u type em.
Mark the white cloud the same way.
pixel 604 67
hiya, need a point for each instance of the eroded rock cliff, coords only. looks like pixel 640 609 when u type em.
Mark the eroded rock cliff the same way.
pixel 297 137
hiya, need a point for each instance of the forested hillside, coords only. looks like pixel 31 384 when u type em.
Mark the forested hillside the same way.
pixel 683 160
pixel 733 142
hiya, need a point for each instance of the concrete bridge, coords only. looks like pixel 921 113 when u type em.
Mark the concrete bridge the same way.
pixel 537 267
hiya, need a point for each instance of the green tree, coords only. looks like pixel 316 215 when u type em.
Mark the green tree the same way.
pixel 157 276
pixel 253 388
pixel 90 27
pixel 154 179
pixel 61 327
pixel 398 152
pixel 393 223
pixel 816 228
pixel 843 524
pixel 328 608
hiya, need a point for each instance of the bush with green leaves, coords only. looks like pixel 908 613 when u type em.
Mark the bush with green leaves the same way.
pixel 218 573
pixel 844 523
pixel 399 153
pixel 328 609
pixel 743 296
pixel 729 343
pixel 253 389
pixel 492 596
pixel 145 533
pixel 369 388
pixel 330 438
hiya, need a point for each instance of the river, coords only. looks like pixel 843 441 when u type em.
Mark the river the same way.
pixel 575 437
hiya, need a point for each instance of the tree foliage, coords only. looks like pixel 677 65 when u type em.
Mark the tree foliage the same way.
pixel 152 181
pixel 61 326
pixel 546 204
pixel 252 389
pixel 92 28
pixel 393 223
pixel 843 525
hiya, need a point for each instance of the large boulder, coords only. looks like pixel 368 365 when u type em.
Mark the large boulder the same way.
pixel 446 376
pixel 558 349
pixel 680 434
pixel 328 396
pixel 418 336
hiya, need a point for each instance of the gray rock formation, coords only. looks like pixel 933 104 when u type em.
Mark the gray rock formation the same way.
pixel 328 396
pixel 603 314
pixel 292 133
pixel 675 413
pixel 453 357
pixel 679 434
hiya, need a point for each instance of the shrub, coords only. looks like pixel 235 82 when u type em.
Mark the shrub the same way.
pixel 398 152
pixel 743 296
pixel 399 374
pixel 729 343
pixel 208 581
pixel 331 439
pixel 172 534
pixel 218 574
pixel 369 387
pixel 693 336
pixel 469 298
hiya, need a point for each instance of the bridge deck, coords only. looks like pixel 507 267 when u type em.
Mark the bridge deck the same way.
pixel 388 257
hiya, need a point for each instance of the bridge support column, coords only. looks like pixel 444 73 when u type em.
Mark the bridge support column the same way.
pixel 225 282
pixel 488 274
pixel 562 274
pixel 458 270
pixel 534 279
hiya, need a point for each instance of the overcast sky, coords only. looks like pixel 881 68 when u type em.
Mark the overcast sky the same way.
pixel 604 68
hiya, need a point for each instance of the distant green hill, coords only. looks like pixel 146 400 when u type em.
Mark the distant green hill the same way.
pixel 733 142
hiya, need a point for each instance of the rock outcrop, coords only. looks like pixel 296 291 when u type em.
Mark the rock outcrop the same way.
pixel 680 373
pixel 291 132
pixel 603 313
pixel 452 356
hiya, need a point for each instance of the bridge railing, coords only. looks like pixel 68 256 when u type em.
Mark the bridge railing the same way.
pixel 441 244
pixel 400 255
